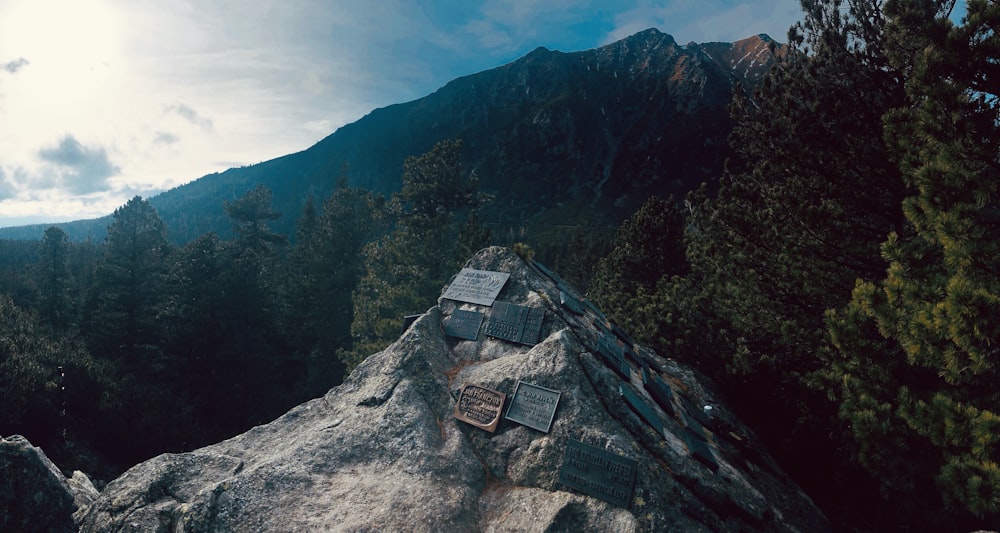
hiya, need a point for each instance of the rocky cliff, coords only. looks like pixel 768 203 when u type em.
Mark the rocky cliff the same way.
pixel 631 444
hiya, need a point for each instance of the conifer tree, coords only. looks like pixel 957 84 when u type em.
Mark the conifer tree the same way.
pixel 55 283
pixel 919 351
pixel 405 270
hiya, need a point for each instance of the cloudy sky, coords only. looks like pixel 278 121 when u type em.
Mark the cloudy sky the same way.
pixel 101 100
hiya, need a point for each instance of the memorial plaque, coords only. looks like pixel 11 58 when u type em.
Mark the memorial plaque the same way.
pixel 641 408
pixel 515 323
pixel 612 356
pixel 570 302
pixel 541 268
pixel 598 473
pixel 476 286
pixel 695 427
pixel 480 406
pixel 463 324
pixel 699 450
pixel 660 392
pixel 533 406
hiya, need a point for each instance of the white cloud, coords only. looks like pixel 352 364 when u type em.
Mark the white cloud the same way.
pixel 81 170
pixel 15 65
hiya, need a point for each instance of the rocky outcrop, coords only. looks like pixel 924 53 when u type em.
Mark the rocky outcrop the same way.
pixel 384 452
pixel 34 495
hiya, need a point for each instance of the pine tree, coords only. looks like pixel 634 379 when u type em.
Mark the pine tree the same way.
pixel 405 270
pixel 919 350
pixel 55 283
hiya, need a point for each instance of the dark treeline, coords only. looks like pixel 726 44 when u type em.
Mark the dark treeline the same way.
pixel 843 286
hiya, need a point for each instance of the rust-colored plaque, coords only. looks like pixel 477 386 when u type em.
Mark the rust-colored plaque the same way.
pixel 480 406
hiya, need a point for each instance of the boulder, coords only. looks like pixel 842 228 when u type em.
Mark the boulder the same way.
pixel 384 451
pixel 34 495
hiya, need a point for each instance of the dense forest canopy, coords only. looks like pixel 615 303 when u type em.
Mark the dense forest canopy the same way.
pixel 841 286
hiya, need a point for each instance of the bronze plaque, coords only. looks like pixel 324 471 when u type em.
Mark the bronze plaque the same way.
pixel 660 391
pixel 463 324
pixel 533 406
pixel 598 473
pixel 476 286
pixel 699 450
pixel 480 406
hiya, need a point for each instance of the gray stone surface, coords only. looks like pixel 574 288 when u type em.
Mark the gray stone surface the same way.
pixel 382 451
pixel 34 495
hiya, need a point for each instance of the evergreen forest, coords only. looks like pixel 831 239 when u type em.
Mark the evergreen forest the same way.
pixel 841 284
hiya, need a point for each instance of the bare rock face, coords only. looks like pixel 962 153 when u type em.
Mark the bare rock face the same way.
pixel 384 451
pixel 34 495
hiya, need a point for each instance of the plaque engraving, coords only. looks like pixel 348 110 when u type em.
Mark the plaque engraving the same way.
pixel 641 408
pixel 515 323
pixel 479 406
pixel 660 392
pixel 610 351
pixel 463 324
pixel 699 450
pixel 476 286
pixel 533 406
pixel 598 473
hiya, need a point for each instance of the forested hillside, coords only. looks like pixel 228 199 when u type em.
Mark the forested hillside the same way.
pixel 841 286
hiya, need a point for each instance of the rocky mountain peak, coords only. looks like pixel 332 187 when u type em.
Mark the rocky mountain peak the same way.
pixel 511 405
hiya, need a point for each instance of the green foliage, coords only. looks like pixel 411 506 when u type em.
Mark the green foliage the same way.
pixel 435 231
pixel 55 283
pixel 933 318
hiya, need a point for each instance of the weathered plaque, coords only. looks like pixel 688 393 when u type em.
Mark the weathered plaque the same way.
pixel 641 408
pixel 694 427
pixel 612 356
pixel 515 323
pixel 699 450
pixel 570 302
pixel 480 406
pixel 541 268
pixel 463 324
pixel 598 473
pixel 476 286
pixel 533 406
pixel 660 391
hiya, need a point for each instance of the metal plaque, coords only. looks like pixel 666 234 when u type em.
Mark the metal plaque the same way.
pixel 699 450
pixel 533 406
pixel 476 286
pixel 480 406
pixel 694 427
pixel 463 324
pixel 612 356
pixel 598 473
pixel 551 275
pixel 515 323
pixel 570 302
pixel 660 392
pixel 641 408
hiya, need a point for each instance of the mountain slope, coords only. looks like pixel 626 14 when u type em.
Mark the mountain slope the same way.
pixel 575 138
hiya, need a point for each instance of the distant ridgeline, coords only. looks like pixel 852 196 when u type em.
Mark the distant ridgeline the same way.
pixel 563 141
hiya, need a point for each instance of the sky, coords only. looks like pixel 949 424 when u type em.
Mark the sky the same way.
pixel 102 100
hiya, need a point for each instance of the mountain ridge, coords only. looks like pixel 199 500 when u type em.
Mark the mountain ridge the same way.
pixel 600 129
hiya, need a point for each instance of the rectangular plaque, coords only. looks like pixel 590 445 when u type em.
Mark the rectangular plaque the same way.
pixel 660 391
pixel 694 427
pixel 541 268
pixel 476 286
pixel 533 406
pixel 480 406
pixel 463 324
pixel 598 473
pixel 515 323
pixel 699 450
pixel 611 353
pixel 570 302
pixel 641 408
